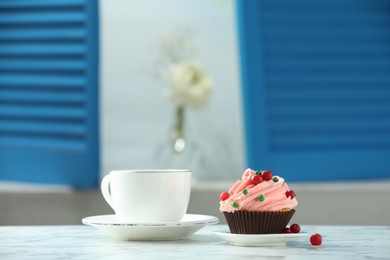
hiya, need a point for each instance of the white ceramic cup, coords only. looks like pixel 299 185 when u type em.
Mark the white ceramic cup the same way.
pixel 148 196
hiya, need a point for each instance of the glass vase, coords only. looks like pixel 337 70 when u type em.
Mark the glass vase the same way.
pixel 178 150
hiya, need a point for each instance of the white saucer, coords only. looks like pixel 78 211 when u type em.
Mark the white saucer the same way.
pixel 259 240
pixel 150 231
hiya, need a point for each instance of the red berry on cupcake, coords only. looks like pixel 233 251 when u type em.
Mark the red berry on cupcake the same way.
pixel 256 179
pixel 267 175
pixel 286 230
pixel 224 196
pixel 290 193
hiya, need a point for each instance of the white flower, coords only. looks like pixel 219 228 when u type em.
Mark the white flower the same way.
pixel 190 85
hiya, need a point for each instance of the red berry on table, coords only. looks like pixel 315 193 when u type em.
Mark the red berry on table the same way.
pixel 224 196
pixel 295 228
pixel 267 175
pixel 316 239
pixel 256 179
pixel 286 230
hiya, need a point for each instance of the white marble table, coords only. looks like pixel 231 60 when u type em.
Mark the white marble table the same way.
pixel 85 242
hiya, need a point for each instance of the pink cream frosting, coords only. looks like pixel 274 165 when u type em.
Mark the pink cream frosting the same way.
pixel 273 194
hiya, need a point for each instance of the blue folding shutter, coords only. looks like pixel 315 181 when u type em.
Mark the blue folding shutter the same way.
pixel 316 87
pixel 49 92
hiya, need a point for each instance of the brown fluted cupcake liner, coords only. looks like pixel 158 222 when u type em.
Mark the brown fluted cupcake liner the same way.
pixel 252 222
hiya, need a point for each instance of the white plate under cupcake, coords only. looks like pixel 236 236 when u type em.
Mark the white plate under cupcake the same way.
pixel 259 239
pixel 189 224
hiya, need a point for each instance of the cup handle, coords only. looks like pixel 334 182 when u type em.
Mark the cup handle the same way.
pixel 105 187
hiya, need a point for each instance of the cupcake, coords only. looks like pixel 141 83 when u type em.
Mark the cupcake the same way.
pixel 259 203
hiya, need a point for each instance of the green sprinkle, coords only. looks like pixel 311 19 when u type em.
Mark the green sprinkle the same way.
pixel 245 192
pixel 261 198
pixel 275 179
pixel 257 172
pixel 235 204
